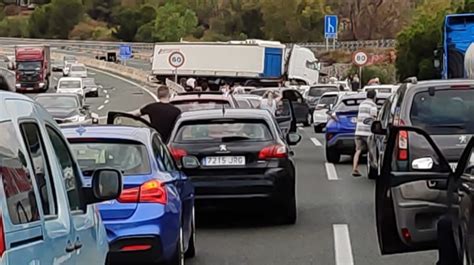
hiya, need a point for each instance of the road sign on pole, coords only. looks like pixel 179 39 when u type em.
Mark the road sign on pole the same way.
pixel 360 59
pixel 125 52
pixel 330 29
pixel 176 60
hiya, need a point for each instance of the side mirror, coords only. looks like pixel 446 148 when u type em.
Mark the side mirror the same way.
pixel 106 185
pixel 424 163
pixel 293 138
pixel 190 162
pixel 377 128
pixel 331 106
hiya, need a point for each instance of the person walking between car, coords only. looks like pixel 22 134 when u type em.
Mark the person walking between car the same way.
pixel 367 114
pixel 269 102
pixel 355 83
pixel 163 115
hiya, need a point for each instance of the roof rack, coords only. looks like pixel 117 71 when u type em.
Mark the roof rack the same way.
pixel 411 80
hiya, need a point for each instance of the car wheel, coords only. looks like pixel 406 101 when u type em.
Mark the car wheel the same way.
pixel 332 155
pixel 308 120
pixel 371 172
pixel 191 251
pixel 288 212
pixel 178 257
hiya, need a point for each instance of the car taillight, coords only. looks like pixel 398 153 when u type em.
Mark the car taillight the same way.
pixel 2 237
pixel 402 143
pixel 152 191
pixel 273 151
pixel 178 153
pixel 329 136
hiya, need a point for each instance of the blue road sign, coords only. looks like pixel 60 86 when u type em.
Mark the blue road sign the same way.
pixel 125 51
pixel 330 27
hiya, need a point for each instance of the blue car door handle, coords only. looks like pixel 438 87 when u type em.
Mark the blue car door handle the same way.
pixel 70 247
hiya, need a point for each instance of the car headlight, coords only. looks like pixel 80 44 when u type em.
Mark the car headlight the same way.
pixel 41 84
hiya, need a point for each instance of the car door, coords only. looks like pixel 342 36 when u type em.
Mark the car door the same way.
pixel 409 204
pixel 121 118
pixel 299 104
pixel 89 249
pixel 285 117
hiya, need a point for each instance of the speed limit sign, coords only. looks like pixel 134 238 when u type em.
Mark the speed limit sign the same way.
pixel 176 59
pixel 360 58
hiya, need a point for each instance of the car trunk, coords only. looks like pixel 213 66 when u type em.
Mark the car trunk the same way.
pixel 347 121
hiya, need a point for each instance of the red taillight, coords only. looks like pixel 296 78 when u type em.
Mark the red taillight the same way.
pixel 273 151
pixel 461 87
pixel 2 237
pixel 406 234
pixel 178 153
pixel 403 145
pixel 152 191
pixel 135 248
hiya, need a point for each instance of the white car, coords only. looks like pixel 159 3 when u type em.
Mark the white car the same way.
pixel 326 102
pixel 382 88
pixel 78 70
pixel 71 85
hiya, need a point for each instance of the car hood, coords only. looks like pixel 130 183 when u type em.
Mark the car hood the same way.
pixel 62 113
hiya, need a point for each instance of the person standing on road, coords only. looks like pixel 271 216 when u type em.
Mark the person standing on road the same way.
pixel 270 101
pixel 163 115
pixel 355 82
pixel 367 114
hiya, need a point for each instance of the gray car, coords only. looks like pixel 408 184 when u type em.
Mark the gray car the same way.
pixel 65 108
pixel 443 109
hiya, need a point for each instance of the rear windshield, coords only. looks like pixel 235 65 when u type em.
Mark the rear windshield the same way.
pixel 447 111
pixel 349 105
pixel 88 82
pixel 69 84
pixel 318 91
pixel 78 69
pixel 130 157
pixel 258 92
pixel 188 105
pixel 224 131
pixel 327 100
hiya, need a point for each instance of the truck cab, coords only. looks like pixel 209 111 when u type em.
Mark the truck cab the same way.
pixel 32 68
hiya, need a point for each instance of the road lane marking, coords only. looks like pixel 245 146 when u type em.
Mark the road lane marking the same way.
pixel 106 102
pixel 55 78
pixel 105 91
pixel 107 96
pixel 100 107
pixel 331 171
pixel 316 141
pixel 342 245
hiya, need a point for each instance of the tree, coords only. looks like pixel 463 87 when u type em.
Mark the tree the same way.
pixel 173 22
pixel 101 9
pixel 63 16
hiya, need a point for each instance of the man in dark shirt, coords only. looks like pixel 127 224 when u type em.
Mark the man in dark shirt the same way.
pixel 162 114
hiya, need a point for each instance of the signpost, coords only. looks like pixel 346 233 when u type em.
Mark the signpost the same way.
pixel 176 60
pixel 125 52
pixel 330 30
pixel 360 59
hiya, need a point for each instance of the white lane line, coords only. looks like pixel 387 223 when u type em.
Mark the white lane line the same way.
pixel 55 78
pixel 107 96
pixel 342 245
pixel 331 171
pixel 105 91
pixel 106 102
pixel 128 81
pixel 100 107
pixel 316 141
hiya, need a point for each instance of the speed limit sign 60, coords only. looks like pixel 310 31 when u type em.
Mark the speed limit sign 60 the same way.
pixel 360 58
pixel 176 59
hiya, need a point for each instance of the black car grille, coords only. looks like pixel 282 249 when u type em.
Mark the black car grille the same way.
pixel 29 77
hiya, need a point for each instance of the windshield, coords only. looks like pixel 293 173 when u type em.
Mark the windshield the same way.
pixel 447 111
pixel 318 91
pixel 327 100
pixel 258 92
pixel 58 102
pixel 131 158
pixel 29 66
pixel 352 104
pixel 188 105
pixel 78 69
pixel 69 84
pixel 224 131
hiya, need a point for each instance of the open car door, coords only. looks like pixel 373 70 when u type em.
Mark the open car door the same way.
pixel 409 203
pixel 285 116
pixel 122 118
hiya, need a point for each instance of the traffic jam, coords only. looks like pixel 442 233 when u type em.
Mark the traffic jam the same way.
pixel 130 187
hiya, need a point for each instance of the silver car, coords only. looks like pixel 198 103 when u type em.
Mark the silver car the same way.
pixel 77 70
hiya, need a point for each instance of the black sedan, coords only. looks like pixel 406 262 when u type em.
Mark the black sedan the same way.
pixel 65 108
pixel 242 155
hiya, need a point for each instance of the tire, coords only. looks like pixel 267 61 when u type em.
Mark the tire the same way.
pixel 178 256
pixel 308 121
pixel 372 173
pixel 288 211
pixel 191 251
pixel 332 155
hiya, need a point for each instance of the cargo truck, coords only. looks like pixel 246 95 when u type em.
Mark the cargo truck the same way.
pixel 32 67
pixel 249 62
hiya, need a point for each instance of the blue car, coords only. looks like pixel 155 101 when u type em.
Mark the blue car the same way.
pixel 153 219
pixel 340 129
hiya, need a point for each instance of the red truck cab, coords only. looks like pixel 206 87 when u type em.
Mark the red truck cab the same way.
pixel 32 68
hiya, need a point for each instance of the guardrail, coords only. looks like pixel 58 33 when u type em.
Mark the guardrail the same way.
pixel 148 47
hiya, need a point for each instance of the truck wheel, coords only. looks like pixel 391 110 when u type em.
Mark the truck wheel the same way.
pixel 332 155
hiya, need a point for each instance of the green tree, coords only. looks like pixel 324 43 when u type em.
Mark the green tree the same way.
pixel 101 9
pixel 173 22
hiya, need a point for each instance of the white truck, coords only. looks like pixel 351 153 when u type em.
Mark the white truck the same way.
pixel 249 62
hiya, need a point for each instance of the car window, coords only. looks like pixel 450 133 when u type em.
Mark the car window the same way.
pixel 58 102
pixel 352 104
pixel 130 157
pixel 162 155
pixel 19 192
pixel 290 95
pixel 78 69
pixel 447 111
pixel 327 100
pixel 42 173
pixel 244 104
pixel 238 130
pixel 189 105
pixel 259 92
pixel 70 174
pixel 69 84
pixel 319 90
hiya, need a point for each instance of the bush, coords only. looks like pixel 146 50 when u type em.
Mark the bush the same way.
pixel 91 30
pixel 386 73
pixel 14 27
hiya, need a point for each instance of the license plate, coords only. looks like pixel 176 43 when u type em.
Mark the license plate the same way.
pixel 224 161
pixel 29 88
pixel 354 120
pixel 453 166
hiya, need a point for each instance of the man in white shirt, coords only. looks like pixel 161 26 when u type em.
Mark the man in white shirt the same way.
pixel 367 114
